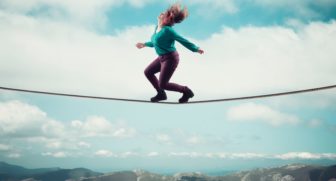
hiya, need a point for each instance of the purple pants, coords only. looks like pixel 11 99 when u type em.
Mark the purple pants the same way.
pixel 166 65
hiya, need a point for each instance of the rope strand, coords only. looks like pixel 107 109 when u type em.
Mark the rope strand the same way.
pixel 192 102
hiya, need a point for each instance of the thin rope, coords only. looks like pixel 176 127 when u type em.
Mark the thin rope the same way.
pixel 192 102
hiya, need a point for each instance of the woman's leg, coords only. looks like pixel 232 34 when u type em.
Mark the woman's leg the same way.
pixel 150 72
pixel 169 63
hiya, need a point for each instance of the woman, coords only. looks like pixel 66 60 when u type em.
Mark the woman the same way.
pixel 163 41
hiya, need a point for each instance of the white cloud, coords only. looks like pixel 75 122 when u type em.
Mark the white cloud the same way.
pixel 90 13
pixel 186 154
pixel 190 140
pixel 108 153
pixel 219 155
pixel 20 119
pixel 104 153
pixel 164 138
pixel 14 155
pixel 195 140
pixel 285 156
pixel 139 3
pixel 54 144
pixel 99 126
pixel 70 142
pixel 128 154
pixel 60 48
pixel 251 112
pixel 84 144
pixel 209 155
pixel 236 155
pixel 247 155
pixel 259 60
pixel 53 128
pixel 60 154
pixel 4 147
pixel 95 126
pixel 124 132
pixel 21 122
pixel 76 124
pixel 153 154
pixel 306 155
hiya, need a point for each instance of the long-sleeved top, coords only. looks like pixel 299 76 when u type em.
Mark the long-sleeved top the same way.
pixel 164 41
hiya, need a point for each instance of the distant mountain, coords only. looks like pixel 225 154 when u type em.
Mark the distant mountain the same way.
pixel 297 172
pixel 116 176
pixel 293 172
pixel 6 168
pixel 17 173
pixel 66 174
pixel 137 175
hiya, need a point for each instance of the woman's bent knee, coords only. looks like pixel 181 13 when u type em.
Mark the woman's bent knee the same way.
pixel 147 72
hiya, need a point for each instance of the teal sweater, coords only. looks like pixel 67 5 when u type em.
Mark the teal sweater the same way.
pixel 164 41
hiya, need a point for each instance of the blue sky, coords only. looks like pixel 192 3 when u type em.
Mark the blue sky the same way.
pixel 251 47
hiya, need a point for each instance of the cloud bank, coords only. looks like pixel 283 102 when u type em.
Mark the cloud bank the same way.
pixel 73 139
pixel 237 62
pixel 251 112
pixel 23 124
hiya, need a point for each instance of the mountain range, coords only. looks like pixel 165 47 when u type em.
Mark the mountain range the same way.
pixel 293 172
pixel 10 172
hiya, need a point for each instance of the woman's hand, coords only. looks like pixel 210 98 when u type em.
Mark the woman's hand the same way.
pixel 140 45
pixel 200 51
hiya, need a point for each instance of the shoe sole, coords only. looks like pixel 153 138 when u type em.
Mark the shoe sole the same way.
pixel 158 100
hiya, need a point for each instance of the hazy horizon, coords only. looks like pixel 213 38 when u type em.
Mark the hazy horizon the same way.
pixel 207 171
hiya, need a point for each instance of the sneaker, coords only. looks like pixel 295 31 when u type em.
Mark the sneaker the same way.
pixel 161 96
pixel 187 94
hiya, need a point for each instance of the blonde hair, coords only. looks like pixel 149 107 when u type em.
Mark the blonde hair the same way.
pixel 176 13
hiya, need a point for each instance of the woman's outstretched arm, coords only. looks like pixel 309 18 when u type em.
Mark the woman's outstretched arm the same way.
pixel 186 43
pixel 149 44
pixel 142 45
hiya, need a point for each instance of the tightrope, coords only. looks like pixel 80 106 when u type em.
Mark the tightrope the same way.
pixel 192 102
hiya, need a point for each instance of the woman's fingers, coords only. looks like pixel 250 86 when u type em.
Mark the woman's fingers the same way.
pixel 140 45
pixel 200 51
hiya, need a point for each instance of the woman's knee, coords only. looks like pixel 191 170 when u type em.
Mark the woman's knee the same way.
pixel 147 72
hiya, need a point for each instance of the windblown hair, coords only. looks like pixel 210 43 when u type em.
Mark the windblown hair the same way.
pixel 175 14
